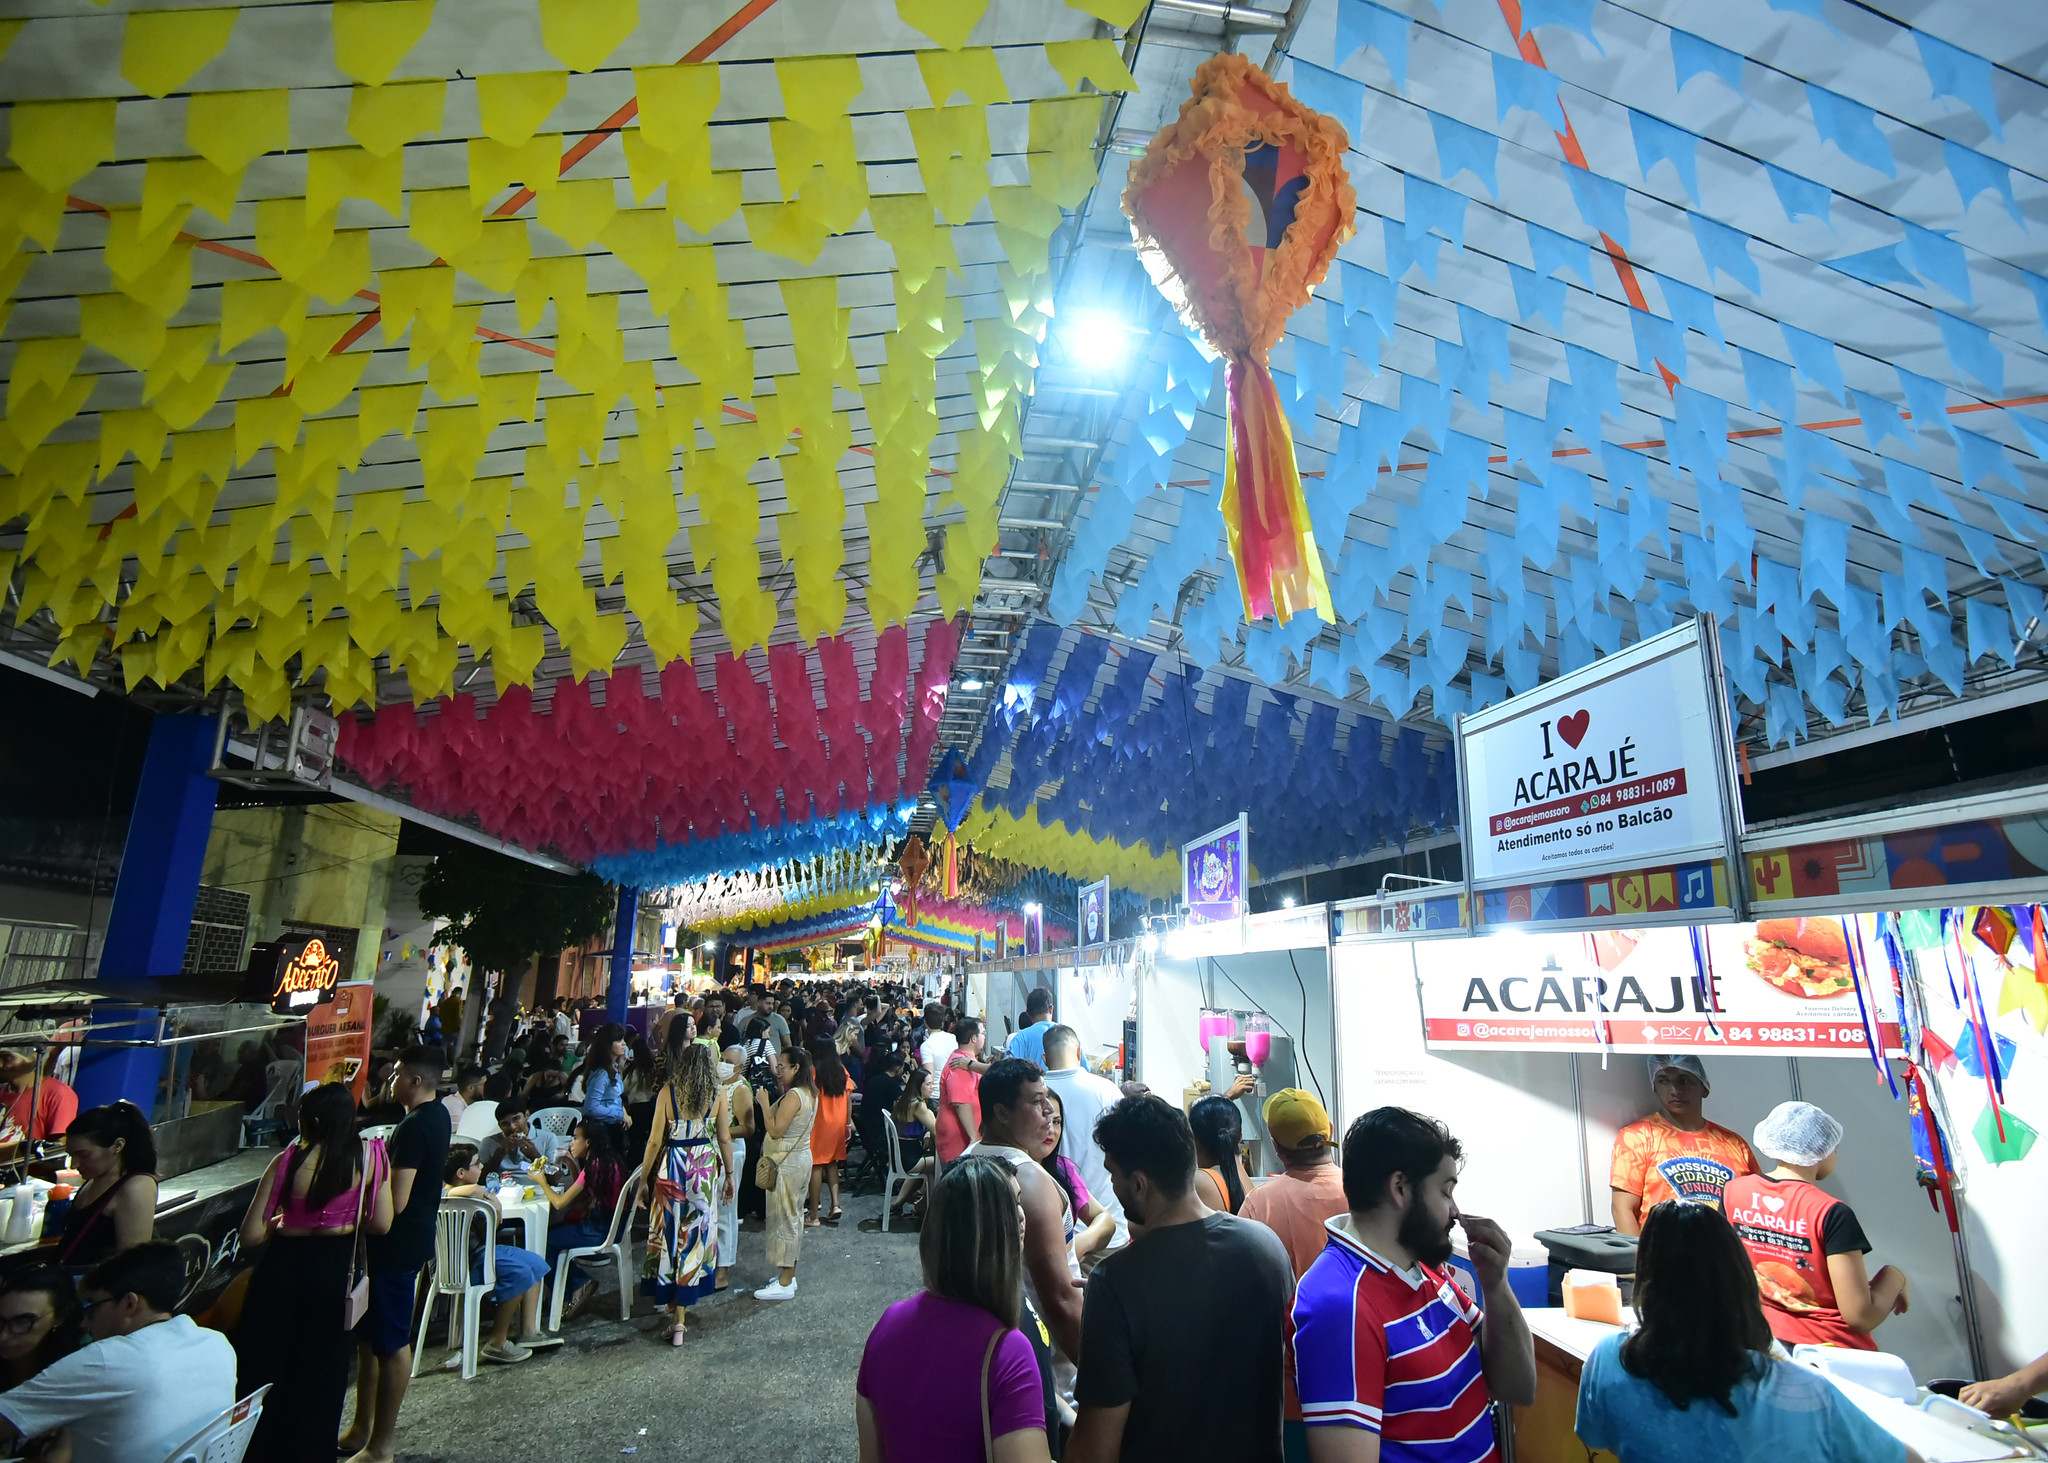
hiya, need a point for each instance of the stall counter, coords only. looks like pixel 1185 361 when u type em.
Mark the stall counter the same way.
pixel 1543 1430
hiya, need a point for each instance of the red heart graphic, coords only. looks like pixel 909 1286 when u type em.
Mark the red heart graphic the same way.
pixel 1573 728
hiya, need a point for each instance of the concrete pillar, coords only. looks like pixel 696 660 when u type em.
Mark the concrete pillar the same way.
pixel 620 991
pixel 153 895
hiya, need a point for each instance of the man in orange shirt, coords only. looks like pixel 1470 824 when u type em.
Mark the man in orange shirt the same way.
pixel 1295 1204
pixel 40 1109
pixel 1674 1152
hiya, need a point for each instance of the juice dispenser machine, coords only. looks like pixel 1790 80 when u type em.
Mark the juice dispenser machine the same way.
pixel 1239 1043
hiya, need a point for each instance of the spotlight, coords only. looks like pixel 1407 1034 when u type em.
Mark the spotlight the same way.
pixel 1095 339
pixel 1288 902
pixel 1033 909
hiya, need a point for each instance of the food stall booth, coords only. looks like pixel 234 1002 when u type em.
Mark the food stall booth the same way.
pixel 1882 966
pixel 289 1004
pixel 1867 964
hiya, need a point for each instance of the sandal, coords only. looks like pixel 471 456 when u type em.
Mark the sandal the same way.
pixel 835 1216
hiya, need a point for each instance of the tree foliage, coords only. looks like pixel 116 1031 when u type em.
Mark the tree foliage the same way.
pixel 503 912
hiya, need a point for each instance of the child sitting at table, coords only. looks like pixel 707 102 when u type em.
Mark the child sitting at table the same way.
pixel 520 1271
pixel 583 1207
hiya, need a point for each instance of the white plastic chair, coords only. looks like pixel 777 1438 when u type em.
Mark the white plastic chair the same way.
pixel 561 1121
pixel 226 1438
pixel 381 1130
pixel 616 1249
pixel 898 1174
pixel 453 1228
pixel 479 1120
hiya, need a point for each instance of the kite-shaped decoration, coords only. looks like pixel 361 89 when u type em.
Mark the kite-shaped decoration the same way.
pixel 1238 207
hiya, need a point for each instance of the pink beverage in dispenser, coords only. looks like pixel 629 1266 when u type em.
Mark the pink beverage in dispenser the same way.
pixel 1258 1044
pixel 1212 1023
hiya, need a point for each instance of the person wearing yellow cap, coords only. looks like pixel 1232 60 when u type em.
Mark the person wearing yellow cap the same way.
pixel 1295 1204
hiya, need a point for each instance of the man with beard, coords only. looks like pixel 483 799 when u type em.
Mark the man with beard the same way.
pixel 1385 1345
pixel 1182 1335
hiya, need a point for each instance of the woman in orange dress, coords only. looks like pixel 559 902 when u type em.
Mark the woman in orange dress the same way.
pixel 828 1134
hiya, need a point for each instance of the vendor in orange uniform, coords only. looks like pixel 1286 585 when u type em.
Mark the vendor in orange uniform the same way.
pixel 1805 1243
pixel 1674 1153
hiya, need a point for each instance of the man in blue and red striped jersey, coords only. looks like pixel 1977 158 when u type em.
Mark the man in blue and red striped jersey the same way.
pixel 1392 1360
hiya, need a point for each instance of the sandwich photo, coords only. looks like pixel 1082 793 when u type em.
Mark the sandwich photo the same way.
pixel 1784 1285
pixel 1808 958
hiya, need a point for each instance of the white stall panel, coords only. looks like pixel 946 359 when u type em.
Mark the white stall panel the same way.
pixel 1511 1111
pixel 1095 1000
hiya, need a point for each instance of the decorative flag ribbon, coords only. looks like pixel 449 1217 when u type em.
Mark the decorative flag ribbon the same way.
pixel 1852 939
pixel 665 763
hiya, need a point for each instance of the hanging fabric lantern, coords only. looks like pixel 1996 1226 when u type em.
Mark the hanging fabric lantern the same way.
pixel 1238 208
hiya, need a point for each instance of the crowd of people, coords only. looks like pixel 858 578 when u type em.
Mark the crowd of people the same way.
pixel 1193 1312
pixel 1104 1278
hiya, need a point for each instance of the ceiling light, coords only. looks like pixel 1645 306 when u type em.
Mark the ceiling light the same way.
pixel 1288 902
pixel 972 683
pixel 1096 340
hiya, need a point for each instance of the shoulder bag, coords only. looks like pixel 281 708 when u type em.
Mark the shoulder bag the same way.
pixel 988 1442
pixel 764 1171
pixel 355 1302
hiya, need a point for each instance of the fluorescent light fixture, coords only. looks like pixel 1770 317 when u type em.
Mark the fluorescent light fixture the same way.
pixel 29 667
pixel 972 683
pixel 1095 339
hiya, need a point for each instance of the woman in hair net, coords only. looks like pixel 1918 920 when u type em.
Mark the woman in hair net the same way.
pixel 1674 1153
pixel 1804 1242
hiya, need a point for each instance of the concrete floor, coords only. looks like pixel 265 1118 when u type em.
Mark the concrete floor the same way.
pixel 750 1370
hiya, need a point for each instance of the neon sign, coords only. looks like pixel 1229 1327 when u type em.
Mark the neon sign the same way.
pixel 305 980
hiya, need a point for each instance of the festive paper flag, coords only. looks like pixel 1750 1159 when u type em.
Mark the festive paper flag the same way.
pixel 581 34
pixel 372 36
pixel 57 143
pixel 161 50
pixel 385 118
pixel 2015 1145
pixel 949 22
pixel 1097 60
pixel 512 105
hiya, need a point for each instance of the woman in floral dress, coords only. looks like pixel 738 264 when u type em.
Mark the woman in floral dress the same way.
pixel 684 1179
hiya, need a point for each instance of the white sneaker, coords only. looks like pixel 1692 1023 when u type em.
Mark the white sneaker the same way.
pixel 776 1291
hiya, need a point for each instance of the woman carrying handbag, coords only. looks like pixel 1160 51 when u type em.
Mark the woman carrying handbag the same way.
pixel 307 1219
pixel 982 1395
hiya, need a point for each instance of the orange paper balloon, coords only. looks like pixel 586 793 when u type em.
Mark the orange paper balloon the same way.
pixel 1238 207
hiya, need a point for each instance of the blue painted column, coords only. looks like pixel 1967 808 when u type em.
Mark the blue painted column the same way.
pixel 621 988
pixel 153 895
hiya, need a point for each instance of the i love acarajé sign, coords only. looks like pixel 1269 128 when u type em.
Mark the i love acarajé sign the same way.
pixel 1620 765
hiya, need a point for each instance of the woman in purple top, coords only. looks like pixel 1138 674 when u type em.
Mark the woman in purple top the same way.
pixel 981 1394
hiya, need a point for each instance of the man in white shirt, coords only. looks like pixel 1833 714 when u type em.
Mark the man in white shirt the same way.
pixel 148 1381
pixel 1084 1097
pixel 936 1049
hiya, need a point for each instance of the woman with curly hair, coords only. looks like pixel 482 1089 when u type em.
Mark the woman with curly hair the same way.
pixel 687 1179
